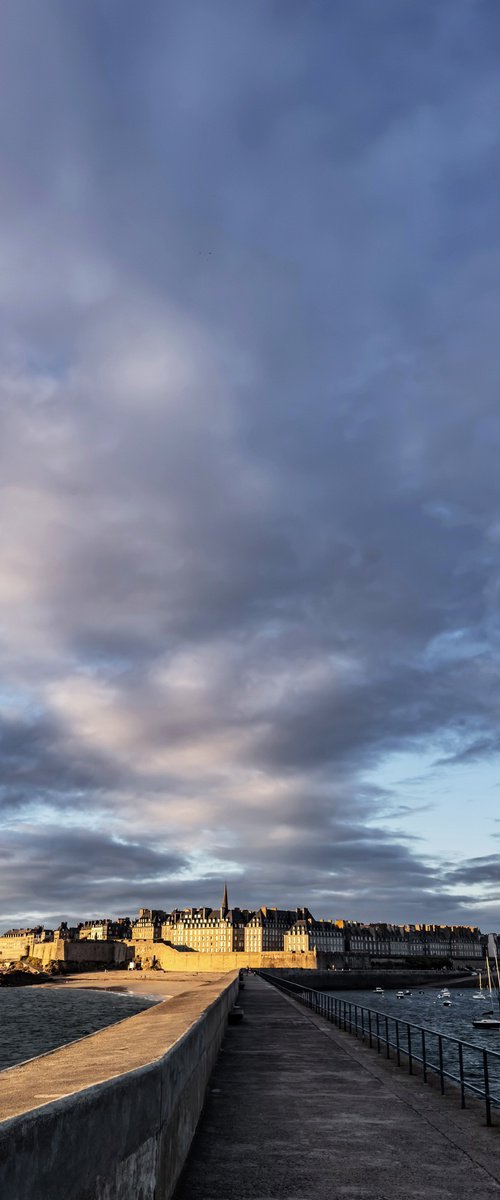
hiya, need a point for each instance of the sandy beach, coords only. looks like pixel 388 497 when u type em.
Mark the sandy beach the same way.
pixel 142 983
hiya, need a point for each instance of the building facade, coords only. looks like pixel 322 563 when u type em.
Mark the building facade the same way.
pixel 308 934
pixel 210 931
pixel 104 929
pixel 148 925
pixel 266 929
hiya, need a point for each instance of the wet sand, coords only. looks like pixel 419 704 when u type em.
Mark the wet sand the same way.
pixel 139 983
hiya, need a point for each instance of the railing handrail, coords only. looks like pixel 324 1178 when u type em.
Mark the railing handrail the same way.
pixel 338 1010
pixel 426 1029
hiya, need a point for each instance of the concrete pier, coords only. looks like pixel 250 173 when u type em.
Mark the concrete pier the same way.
pixel 298 1110
pixel 111 1117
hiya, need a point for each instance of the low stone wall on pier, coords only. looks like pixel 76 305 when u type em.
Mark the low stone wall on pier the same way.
pixel 125 1137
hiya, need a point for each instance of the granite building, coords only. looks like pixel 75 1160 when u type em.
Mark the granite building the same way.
pixel 208 930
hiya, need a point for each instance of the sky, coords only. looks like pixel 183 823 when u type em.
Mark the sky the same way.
pixel 249 457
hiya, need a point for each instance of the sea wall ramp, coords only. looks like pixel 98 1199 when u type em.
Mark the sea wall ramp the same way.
pixel 112 1116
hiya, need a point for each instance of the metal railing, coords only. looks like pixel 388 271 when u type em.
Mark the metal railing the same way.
pixel 471 1068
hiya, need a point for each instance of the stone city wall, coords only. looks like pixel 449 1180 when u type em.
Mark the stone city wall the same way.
pixel 72 953
pixel 76 953
pixel 14 948
pixel 126 1138
pixel 170 959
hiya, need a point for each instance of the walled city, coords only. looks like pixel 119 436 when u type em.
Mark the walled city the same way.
pixel 208 938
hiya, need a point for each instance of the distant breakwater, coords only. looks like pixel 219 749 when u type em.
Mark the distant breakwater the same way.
pixel 340 981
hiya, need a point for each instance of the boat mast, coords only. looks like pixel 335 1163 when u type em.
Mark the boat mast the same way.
pixel 488 972
pixel 498 974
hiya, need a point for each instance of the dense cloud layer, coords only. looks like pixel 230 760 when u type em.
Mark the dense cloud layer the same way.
pixel 250 510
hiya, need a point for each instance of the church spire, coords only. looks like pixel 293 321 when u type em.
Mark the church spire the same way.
pixel 225 902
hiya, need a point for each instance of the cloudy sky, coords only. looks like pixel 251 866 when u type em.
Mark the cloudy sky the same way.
pixel 250 456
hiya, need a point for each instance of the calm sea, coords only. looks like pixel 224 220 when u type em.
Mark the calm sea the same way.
pixel 34 1020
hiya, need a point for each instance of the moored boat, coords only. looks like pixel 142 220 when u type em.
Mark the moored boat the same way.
pixel 489 1020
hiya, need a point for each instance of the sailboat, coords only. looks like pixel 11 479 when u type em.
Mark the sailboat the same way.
pixel 479 995
pixel 488 1019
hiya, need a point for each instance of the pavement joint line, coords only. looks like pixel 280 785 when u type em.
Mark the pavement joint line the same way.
pixel 326 1027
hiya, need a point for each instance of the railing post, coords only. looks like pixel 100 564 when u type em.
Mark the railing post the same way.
pixel 486 1087
pixel 378 1033
pixel 410 1058
pixel 356 1020
pixel 461 1071
pixel 363 1024
pixel 387 1055
pixel 441 1067
pixel 370 1027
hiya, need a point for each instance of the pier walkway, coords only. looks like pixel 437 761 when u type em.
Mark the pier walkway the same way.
pixel 299 1111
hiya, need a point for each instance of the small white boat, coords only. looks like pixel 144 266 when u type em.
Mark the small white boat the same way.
pixel 487 1021
pixel 446 1003
pixel 400 995
pixel 379 991
pixel 407 992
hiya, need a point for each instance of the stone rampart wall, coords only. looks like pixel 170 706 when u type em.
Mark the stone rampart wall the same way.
pixel 12 949
pixel 124 1139
pixel 72 953
pixel 96 952
pixel 170 959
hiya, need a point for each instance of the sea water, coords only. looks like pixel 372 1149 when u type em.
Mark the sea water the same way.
pixel 425 1009
pixel 34 1020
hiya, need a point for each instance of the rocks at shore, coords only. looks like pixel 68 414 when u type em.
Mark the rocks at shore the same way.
pixel 25 972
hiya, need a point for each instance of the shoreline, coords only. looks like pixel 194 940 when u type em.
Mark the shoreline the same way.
pixel 148 983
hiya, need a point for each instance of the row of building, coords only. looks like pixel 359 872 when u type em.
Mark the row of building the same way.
pixel 297 931
pixel 225 930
